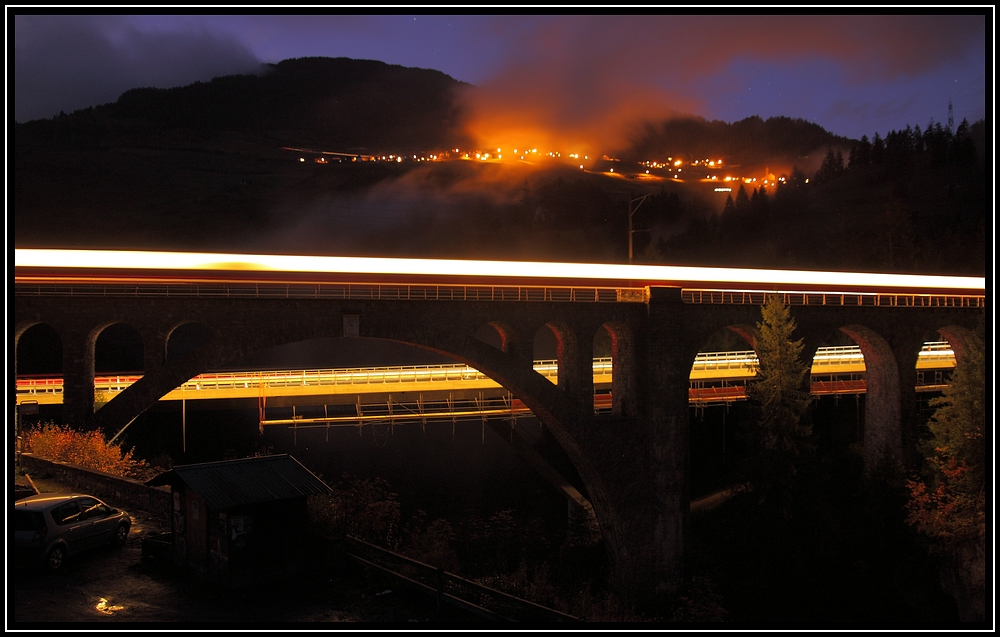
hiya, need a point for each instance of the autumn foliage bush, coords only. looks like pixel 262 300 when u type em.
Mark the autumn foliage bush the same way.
pixel 87 449
pixel 949 510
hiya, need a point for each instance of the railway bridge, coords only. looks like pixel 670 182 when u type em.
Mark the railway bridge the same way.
pixel 632 462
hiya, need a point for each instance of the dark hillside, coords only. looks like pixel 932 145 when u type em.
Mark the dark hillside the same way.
pixel 344 103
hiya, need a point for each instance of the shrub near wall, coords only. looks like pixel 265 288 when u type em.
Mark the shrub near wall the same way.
pixel 84 449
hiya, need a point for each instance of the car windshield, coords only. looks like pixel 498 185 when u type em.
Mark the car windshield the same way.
pixel 28 521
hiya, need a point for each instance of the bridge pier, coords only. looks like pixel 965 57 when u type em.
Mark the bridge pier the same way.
pixel 78 376
pixel 883 438
pixel 624 388
pixel 906 352
pixel 667 415
pixel 576 369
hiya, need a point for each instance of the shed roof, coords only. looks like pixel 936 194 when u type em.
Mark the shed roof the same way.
pixel 231 483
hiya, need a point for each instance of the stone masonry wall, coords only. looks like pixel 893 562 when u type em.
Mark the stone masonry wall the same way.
pixel 125 492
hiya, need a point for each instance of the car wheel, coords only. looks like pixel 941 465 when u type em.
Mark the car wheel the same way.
pixel 55 558
pixel 121 534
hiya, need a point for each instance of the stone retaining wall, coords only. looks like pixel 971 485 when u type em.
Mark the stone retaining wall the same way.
pixel 124 492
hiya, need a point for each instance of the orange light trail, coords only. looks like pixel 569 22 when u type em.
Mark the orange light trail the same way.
pixel 732 278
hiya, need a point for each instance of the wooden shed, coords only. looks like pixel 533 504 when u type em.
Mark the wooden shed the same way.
pixel 242 520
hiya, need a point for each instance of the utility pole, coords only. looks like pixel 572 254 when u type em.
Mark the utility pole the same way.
pixel 631 211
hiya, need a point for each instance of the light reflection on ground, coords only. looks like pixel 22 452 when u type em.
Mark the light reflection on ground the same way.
pixel 106 608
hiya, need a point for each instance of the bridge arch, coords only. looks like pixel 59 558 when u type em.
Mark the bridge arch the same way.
pixel 118 347
pixel 550 403
pixel 960 338
pixel 184 339
pixel 496 333
pixel 747 332
pixel 558 408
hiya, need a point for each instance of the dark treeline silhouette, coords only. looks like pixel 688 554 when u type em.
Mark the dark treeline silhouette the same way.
pixel 751 141
pixel 914 201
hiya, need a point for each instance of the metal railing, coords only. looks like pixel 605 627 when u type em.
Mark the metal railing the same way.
pixel 452 589
pixel 415 292
pixel 723 297
pixel 341 291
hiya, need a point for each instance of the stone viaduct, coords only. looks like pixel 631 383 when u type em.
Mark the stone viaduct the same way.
pixel 633 463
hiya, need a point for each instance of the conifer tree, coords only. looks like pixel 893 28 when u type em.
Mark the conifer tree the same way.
pixel 730 208
pixel 778 436
pixel 779 387
pixel 860 155
pixel 742 200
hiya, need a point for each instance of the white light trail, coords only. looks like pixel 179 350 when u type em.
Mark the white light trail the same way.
pixel 651 274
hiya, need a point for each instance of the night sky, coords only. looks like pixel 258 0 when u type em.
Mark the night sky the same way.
pixel 573 77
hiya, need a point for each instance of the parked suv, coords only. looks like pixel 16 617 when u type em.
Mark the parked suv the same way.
pixel 48 528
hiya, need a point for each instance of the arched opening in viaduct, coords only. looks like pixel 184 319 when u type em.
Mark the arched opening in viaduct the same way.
pixel 38 350
pixel 38 353
pixel 718 376
pixel 548 345
pixel 837 383
pixel 184 339
pixel 118 349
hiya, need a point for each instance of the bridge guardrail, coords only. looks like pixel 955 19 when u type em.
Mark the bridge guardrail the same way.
pixel 343 291
pixel 409 292
pixel 723 297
